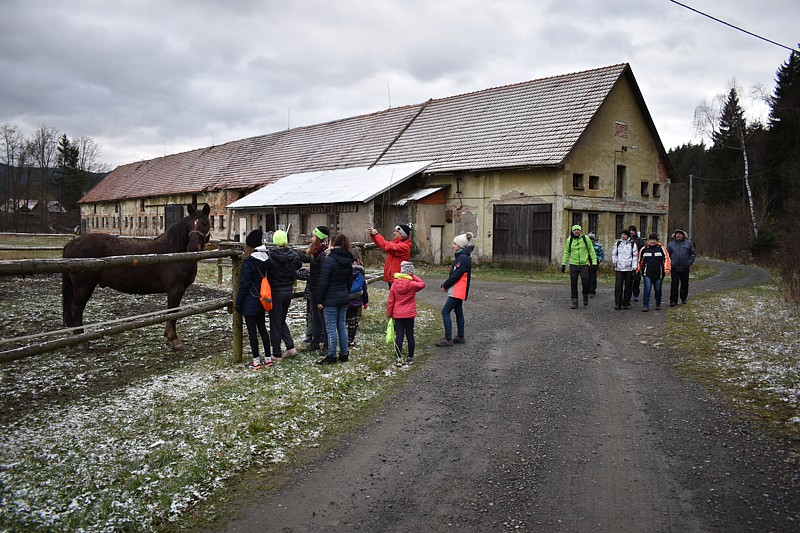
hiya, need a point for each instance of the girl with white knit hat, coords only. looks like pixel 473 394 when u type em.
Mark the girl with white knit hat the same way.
pixel 457 288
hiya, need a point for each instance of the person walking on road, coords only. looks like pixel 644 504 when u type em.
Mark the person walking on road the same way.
pixel 637 276
pixel 681 254
pixel 397 250
pixel 457 288
pixel 625 258
pixel 579 254
pixel 654 265
pixel 402 307
pixel 598 251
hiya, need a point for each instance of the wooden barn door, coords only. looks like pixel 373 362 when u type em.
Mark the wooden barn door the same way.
pixel 522 233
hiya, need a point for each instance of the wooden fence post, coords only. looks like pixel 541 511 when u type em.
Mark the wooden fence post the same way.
pixel 236 265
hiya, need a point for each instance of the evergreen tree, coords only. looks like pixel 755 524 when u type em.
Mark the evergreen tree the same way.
pixel 784 136
pixel 71 179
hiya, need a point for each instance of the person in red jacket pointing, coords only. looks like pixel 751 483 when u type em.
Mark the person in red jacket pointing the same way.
pixel 397 251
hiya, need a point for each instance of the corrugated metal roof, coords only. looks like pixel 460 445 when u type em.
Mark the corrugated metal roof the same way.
pixel 359 184
pixel 418 195
pixel 530 124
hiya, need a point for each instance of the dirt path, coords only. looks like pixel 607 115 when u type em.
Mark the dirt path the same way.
pixel 548 419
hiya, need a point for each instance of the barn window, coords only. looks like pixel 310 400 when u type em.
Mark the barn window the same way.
pixel 656 189
pixel 655 224
pixel 141 204
pixel 594 182
pixel 577 218
pixel 645 188
pixel 577 182
pixel 116 207
pixel 593 218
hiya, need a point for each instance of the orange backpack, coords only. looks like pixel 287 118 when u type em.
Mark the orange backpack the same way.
pixel 265 294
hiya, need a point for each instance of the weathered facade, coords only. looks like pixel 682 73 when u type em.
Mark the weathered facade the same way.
pixel 515 165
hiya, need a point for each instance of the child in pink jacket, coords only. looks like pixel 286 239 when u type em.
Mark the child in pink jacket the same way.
pixel 402 307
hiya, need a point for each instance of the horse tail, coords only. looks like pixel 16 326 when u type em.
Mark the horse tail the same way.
pixel 66 298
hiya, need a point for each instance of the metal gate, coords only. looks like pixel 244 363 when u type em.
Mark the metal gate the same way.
pixel 522 233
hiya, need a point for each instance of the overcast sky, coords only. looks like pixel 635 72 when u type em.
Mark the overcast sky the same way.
pixel 146 78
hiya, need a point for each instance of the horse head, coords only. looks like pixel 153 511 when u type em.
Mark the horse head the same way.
pixel 199 228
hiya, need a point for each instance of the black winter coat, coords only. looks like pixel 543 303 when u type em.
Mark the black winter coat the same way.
pixel 335 278
pixel 254 268
pixel 283 266
pixel 315 268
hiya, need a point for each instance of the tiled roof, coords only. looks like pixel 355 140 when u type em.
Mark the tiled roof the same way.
pixel 535 123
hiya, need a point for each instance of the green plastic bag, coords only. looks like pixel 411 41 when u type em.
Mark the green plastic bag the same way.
pixel 390 331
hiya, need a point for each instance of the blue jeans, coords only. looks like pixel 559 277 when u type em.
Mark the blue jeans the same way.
pixel 656 284
pixel 453 304
pixel 337 331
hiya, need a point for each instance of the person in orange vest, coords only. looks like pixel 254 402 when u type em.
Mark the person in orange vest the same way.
pixel 654 264
pixel 457 288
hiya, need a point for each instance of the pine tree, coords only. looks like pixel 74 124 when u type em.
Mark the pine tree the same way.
pixel 784 135
pixel 71 178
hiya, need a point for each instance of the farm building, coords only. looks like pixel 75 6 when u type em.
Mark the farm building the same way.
pixel 516 165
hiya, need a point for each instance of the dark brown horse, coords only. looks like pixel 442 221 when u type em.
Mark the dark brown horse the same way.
pixel 189 235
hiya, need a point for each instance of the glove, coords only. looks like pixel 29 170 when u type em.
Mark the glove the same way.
pixel 563 268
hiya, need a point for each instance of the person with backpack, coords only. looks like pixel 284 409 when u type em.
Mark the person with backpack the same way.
pixel 625 258
pixel 637 276
pixel 359 297
pixel 457 288
pixel 254 268
pixel 598 251
pixel 282 273
pixel 681 254
pixel 580 255
pixel 397 251
pixel 402 308
pixel 654 264
pixel 333 295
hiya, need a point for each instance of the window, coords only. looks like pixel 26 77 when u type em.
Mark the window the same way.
pixel 116 207
pixel 655 225
pixel 221 222
pixel 141 204
pixel 645 188
pixel 621 171
pixel 619 225
pixel 577 218
pixel 621 129
pixel 211 219
pixel 593 217
pixel 656 189
pixel 577 182
pixel 594 182
pixel 333 221
pixel 643 226
pixel 139 224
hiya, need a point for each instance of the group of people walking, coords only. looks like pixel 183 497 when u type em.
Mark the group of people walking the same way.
pixel 336 292
pixel 635 261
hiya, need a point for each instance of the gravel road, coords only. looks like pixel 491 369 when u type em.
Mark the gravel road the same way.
pixel 547 419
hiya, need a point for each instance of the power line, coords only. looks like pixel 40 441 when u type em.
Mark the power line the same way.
pixel 737 27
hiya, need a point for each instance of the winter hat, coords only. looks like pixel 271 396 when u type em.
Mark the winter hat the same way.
pixel 625 233
pixel 653 236
pixel 322 232
pixel 576 227
pixel 674 233
pixel 591 235
pixel 404 229
pixel 279 238
pixel 407 267
pixel 632 228
pixel 255 238
pixel 463 240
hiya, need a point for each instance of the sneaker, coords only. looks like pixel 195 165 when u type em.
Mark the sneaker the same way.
pixel 254 365
pixel 635 298
pixel 658 307
pixel 444 342
pixel 645 309
pixel 328 360
pixel 290 352
pixel 458 340
pixel 344 357
pixel 683 302
pixel 585 301
pixel 409 360
pixel 351 344
pixel 312 347
pixel 273 361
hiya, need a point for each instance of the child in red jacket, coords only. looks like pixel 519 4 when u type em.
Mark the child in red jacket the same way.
pixel 402 307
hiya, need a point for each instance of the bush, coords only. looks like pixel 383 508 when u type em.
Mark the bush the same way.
pixel 766 241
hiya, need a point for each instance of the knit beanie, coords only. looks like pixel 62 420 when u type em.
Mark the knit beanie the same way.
pixel 404 229
pixel 322 232
pixel 280 238
pixel 255 238
pixel 407 267
pixel 464 239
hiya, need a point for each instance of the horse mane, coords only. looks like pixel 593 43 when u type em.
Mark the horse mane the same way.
pixel 178 235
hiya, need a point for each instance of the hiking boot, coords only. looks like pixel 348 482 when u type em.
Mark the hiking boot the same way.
pixel 585 300
pixel 344 357
pixel 458 340
pixel 444 342
pixel 574 304
pixel 658 307
pixel 409 360
pixel 313 347
pixel 645 309
pixel 328 360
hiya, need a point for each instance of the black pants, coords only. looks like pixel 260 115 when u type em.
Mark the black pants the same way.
pixel 679 285
pixel 404 327
pixel 257 325
pixel 623 287
pixel 637 280
pixel 593 279
pixel 281 300
pixel 576 271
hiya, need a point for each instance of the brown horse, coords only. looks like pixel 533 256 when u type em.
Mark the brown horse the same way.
pixel 189 235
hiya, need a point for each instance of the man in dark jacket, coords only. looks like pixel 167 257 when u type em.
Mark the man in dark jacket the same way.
pixel 282 273
pixel 681 254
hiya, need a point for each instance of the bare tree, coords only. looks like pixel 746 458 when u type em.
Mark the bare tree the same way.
pixel 43 148
pixel 89 157
pixel 11 156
